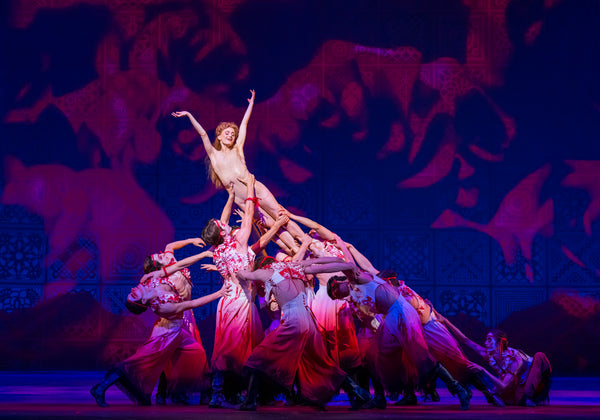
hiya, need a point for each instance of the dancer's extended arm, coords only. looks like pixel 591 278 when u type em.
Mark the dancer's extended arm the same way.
pixel 244 233
pixel 244 124
pixel 180 244
pixel 179 265
pixel 323 232
pixel 167 310
pixel 266 237
pixel 205 140
pixel 460 336
pixel 226 213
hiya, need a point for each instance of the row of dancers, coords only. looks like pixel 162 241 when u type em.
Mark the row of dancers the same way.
pixel 362 328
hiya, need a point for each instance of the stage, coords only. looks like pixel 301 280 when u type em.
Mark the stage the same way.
pixel 65 394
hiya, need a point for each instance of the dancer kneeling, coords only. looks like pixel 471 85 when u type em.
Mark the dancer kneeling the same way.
pixel 295 349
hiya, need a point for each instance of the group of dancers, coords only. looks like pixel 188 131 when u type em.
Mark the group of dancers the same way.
pixel 363 329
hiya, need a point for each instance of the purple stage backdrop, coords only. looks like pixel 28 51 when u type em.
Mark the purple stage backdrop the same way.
pixel 455 141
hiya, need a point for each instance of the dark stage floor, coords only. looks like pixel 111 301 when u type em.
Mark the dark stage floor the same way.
pixel 59 395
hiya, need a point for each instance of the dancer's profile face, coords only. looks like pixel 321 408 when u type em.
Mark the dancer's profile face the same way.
pixel 136 293
pixel 490 342
pixel 227 137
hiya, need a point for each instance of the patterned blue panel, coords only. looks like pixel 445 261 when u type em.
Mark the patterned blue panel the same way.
pixel 462 257
pixel 569 206
pixel 113 298
pixel 128 268
pixel 78 263
pixel 473 301
pixel 453 198
pixel 206 310
pixel 18 296
pixel 508 300
pixel 409 254
pixel 503 274
pixel 22 256
pixel 344 209
pixel 405 209
pixel 426 293
pixel 582 266
pixel 17 215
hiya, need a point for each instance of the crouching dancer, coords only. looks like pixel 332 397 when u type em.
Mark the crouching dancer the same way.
pixel 295 349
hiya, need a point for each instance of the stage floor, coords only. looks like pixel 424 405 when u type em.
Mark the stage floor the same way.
pixel 59 395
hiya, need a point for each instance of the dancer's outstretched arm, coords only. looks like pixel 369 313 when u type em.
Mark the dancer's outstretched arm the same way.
pixel 311 224
pixel 180 244
pixel 167 310
pixel 362 261
pixel 179 265
pixel 244 124
pixel 210 149
pixel 459 335
pixel 266 237
pixel 246 229
pixel 299 255
pixel 226 213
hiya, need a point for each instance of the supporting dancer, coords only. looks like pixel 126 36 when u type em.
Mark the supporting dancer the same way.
pixel 228 165
pixel 238 325
pixel 180 281
pixel 403 356
pixel 333 316
pixel 522 379
pixel 444 347
pixel 295 349
pixel 169 340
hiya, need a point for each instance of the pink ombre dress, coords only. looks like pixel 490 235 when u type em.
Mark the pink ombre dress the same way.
pixel 169 342
pixel 295 349
pixel 402 353
pixel 181 283
pixel 239 328
pixel 442 344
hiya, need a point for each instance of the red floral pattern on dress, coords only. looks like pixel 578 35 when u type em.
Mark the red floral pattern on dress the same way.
pixel 229 260
pixel 165 298
pixel 512 361
pixel 409 294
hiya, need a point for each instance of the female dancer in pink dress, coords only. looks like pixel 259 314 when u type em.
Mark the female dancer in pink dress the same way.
pixel 238 325
pixel 333 316
pixel 169 384
pixel 295 349
pixel 137 375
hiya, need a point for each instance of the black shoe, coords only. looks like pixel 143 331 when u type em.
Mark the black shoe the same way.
pixel 247 406
pixel 98 396
pixel 357 396
pixel 495 400
pixel 379 401
pixel 410 399
pixel 432 395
